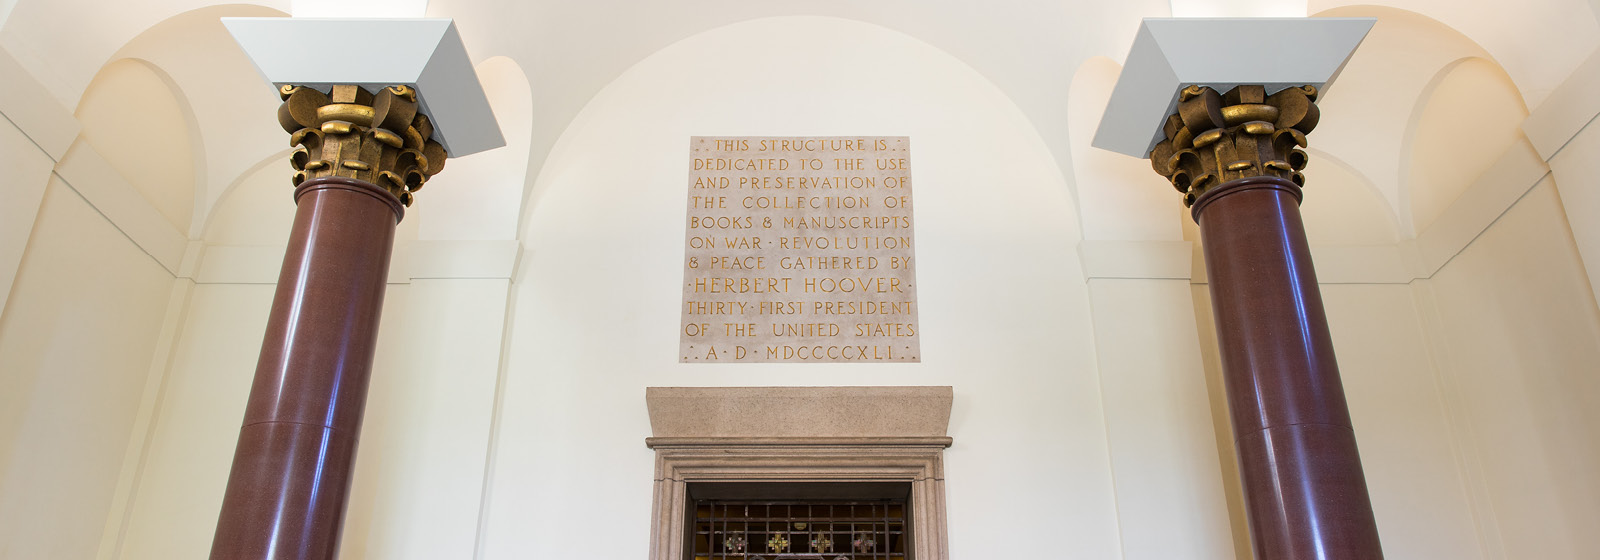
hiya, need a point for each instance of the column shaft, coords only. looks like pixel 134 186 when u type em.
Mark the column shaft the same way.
pixel 291 470
pixel 1304 490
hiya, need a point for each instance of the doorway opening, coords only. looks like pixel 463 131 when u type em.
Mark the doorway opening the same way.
pixel 850 463
pixel 800 521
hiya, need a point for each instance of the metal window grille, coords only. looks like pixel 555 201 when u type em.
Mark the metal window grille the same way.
pixel 811 530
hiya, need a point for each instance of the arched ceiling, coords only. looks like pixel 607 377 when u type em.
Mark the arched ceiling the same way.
pixel 1538 42
pixel 63 43
pixel 570 50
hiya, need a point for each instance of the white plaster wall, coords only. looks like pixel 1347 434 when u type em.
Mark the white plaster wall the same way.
pixel 1376 97
pixel 1340 209
pixel 1401 425
pixel 1120 197
pixel 1470 114
pixel 1103 429
pixel 480 196
pixel 132 118
pixel 1222 423
pixel 76 343
pixel 258 211
pixel 1412 469
pixel 423 446
pixel 1005 314
pixel 1573 168
pixel 1518 336
pixel 173 512
pixel 222 97
pixel 1170 493
pixel 5 10
pixel 1503 30
pixel 425 438
pixel 25 185
pixel 174 509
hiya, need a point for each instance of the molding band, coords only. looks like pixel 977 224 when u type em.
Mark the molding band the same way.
pixel 1242 185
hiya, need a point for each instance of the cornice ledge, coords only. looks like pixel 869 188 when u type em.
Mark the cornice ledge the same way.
pixel 798 415
pixel 791 442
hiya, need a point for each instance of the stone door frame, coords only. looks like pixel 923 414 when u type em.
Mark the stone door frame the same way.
pixel 799 434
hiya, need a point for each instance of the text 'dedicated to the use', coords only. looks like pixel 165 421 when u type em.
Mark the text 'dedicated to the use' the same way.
pixel 799 249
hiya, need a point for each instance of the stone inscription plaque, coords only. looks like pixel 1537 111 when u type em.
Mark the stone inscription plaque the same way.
pixel 799 249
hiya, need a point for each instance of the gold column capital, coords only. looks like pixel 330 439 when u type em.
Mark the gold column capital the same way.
pixel 1215 138
pixel 379 138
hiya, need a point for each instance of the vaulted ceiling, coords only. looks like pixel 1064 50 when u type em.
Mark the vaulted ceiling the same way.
pixel 544 60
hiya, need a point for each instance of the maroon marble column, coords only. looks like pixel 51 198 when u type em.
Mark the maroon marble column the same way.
pixel 291 470
pixel 1305 493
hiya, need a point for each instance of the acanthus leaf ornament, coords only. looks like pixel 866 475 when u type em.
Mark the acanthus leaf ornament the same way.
pixel 379 138
pixel 1215 138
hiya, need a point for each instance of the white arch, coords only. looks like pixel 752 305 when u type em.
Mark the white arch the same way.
pixel 68 41
pixel 1520 37
pixel 230 107
pixel 1496 127
pixel 546 177
pixel 279 159
pixel 606 239
pixel 478 196
pixel 101 92
pixel 1118 197
pixel 1369 110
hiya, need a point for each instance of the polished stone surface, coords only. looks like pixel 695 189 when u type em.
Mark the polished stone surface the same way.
pixel 1269 313
pixel 1310 502
pixel 291 470
pixel 1305 493
pixel 290 513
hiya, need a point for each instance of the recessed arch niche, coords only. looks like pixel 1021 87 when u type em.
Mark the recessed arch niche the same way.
pixel 479 196
pixel 135 116
pixel 1120 197
pixel 604 257
pixel 1377 97
pixel 1470 114
pixel 222 96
